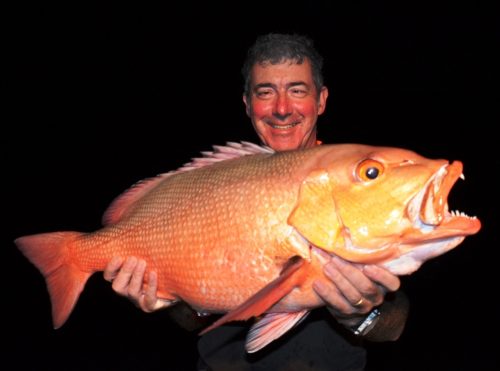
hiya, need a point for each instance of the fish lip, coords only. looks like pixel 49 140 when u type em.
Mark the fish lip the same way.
pixel 428 210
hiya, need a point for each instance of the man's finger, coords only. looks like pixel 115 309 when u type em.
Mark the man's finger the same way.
pixel 122 279
pixel 136 281
pixel 383 277
pixel 112 268
pixel 150 297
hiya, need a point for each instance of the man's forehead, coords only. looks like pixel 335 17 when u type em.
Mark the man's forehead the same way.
pixel 288 61
pixel 285 70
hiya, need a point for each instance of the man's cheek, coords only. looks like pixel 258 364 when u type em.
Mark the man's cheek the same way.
pixel 306 109
pixel 261 109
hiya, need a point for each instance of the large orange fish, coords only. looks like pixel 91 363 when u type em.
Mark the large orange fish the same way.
pixel 239 230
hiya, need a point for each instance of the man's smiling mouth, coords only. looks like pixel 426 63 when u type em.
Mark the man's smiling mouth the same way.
pixel 283 127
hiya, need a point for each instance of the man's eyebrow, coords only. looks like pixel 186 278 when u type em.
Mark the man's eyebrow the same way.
pixel 264 85
pixel 273 86
pixel 296 83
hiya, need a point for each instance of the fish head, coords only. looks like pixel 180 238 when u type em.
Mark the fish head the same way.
pixel 383 202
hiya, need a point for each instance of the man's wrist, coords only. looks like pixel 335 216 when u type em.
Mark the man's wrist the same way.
pixel 359 325
pixel 367 324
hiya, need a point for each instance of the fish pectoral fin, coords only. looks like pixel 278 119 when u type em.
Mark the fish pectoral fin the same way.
pixel 315 215
pixel 270 327
pixel 292 276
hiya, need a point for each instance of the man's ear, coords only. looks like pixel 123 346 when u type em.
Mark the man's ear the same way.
pixel 247 105
pixel 323 96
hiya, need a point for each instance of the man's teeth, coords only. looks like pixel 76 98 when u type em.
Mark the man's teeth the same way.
pixel 283 127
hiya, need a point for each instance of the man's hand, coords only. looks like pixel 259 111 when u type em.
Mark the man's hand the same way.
pixel 353 290
pixel 127 277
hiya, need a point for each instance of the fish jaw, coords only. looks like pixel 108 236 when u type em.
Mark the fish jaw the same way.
pixel 416 255
pixel 429 214
pixel 435 230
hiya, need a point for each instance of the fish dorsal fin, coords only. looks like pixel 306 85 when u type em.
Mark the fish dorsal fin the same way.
pixel 122 204
pixel 292 276
pixel 270 327
pixel 222 153
pixel 315 215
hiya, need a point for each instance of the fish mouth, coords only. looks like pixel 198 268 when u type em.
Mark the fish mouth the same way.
pixel 429 211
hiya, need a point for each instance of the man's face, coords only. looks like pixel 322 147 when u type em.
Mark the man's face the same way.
pixel 285 105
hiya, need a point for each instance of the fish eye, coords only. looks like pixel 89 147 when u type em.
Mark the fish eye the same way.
pixel 369 169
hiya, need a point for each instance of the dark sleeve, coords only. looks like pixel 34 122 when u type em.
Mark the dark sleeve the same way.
pixel 393 315
pixel 187 318
pixel 314 344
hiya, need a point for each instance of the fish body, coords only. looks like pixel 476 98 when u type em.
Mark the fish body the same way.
pixel 239 230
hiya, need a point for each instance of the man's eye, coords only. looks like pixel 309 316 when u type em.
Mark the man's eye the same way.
pixel 298 92
pixel 264 94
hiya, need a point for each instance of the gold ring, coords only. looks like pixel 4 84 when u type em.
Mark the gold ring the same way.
pixel 358 303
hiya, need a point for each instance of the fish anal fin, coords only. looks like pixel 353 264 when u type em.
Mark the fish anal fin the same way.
pixel 315 215
pixel 270 327
pixel 292 275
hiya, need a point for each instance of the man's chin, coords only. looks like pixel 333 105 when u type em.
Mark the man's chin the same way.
pixel 284 144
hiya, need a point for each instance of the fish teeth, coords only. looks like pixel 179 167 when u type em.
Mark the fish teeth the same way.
pixel 457 213
pixel 415 205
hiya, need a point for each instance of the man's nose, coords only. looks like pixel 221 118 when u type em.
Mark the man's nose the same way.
pixel 282 108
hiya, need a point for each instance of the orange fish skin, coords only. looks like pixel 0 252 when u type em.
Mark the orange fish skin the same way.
pixel 224 222
pixel 218 234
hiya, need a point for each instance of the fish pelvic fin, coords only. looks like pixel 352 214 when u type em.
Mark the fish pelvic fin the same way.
pixel 50 254
pixel 270 327
pixel 293 275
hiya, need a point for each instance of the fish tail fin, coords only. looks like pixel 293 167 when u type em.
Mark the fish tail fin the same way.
pixel 49 252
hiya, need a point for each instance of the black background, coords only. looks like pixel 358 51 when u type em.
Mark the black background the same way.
pixel 99 97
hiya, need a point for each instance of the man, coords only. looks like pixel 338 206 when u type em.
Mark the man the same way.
pixel 284 95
